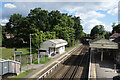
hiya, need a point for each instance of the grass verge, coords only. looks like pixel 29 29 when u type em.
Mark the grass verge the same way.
pixel 7 53
pixel 21 75
pixel 42 60
pixel 72 46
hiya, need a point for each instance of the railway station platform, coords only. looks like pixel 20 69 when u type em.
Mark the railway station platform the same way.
pixel 102 64
pixel 41 69
pixel 102 70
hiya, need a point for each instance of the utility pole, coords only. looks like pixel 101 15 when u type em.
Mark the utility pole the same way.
pixel 14 53
pixel 30 50
pixel 38 57
pixel 38 49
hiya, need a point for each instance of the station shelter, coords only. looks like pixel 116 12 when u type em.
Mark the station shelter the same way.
pixel 104 46
pixel 53 47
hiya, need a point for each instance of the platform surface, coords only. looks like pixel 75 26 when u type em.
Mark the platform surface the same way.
pixel 105 70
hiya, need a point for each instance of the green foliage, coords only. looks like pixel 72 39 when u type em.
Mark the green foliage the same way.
pixel 41 36
pixel 114 24
pixel 7 53
pixel 78 28
pixel 98 31
pixel 65 33
pixel 42 60
pixel 44 25
pixel 107 35
pixel 21 75
pixel 116 29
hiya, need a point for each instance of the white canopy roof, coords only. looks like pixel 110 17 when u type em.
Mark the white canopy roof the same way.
pixel 103 43
pixel 58 41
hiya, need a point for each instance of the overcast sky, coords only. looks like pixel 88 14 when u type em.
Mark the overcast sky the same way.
pixel 91 12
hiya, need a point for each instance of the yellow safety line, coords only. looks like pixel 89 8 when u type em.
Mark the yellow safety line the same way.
pixel 33 76
pixel 93 66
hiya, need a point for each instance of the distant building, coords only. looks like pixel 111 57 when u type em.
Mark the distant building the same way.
pixel 8 36
pixel 54 46
pixel 114 36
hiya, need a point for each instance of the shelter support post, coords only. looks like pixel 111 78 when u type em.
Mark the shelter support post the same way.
pixel 0 77
pixel 102 55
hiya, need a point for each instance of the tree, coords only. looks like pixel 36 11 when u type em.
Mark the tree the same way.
pixel 78 28
pixel 41 36
pixel 45 25
pixel 107 35
pixel 116 29
pixel 12 26
pixel 65 33
pixel 39 18
pixel 54 18
pixel 2 35
pixel 98 31
pixel 114 24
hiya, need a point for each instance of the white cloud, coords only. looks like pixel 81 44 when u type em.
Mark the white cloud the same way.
pixel 87 10
pixel 4 21
pixel 58 0
pixel 108 28
pixel 113 11
pixel 9 5
pixel 90 14
pixel 90 24
pixel 90 19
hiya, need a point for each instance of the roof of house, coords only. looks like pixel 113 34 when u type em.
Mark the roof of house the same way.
pixel 117 40
pixel 96 39
pixel 58 41
pixel 8 36
pixel 115 35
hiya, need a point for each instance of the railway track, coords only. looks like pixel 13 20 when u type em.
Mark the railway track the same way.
pixel 73 67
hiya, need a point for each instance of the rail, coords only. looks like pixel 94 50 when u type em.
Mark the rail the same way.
pixel 50 70
pixel 76 68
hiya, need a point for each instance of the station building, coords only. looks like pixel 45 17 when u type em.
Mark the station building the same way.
pixel 53 47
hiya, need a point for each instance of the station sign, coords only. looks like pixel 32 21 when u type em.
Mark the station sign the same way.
pixel 42 50
pixel 18 52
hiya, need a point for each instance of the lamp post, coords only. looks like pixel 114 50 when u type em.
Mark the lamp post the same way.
pixel 30 50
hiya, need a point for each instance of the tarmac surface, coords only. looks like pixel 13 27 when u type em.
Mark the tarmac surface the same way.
pixel 105 70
